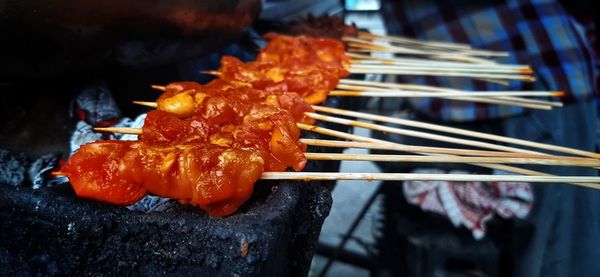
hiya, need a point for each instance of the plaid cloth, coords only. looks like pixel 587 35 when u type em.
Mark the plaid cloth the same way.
pixel 536 32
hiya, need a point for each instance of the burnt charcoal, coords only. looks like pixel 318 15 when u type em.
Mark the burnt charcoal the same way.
pixel 18 170
pixel 12 168
pixel 151 203
pixel 51 232
pixel 40 169
pixel 96 106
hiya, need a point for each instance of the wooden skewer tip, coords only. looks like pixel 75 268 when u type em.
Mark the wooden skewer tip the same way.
pixel 527 71
pixel 146 103
pixel 210 72
pixel 120 130
pixel 157 87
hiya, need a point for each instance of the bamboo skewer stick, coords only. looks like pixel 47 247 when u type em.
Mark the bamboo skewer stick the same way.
pixel 405 93
pixel 586 181
pixel 438 44
pixel 308 176
pixel 500 99
pixel 407 49
pixel 420 134
pixel 438 67
pixel 362 65
pixel 406 62
pixel 581 162
pixel 472 56
pixel 120 130
pixel 389 85
pixel 530 101
pixel 505 168
pixel 447 73
pixel 456 68
pixel 368 59
pixel 518 102
pixel 353 42
pixel 425 150
pixel 211 72
pixel 380 146
pixel 417 134
pixel 458 58
pixel 484 53
pixel 146 103
pixel 157 87
pixel 379 86
pixel 458 131
pixel 388 60
pixel 494 81
pixel 495 74
pixel 384 85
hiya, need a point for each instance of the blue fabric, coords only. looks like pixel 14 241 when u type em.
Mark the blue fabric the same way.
pixel 536 32
pixel 566 241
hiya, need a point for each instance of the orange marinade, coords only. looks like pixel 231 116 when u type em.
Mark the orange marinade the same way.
pixel 207 145
pixel 211 159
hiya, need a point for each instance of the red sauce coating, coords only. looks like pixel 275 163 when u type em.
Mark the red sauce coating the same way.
pixel 217 179
pixel 211 159
pixel 94 172
pixel 207 145
pixel 310 67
